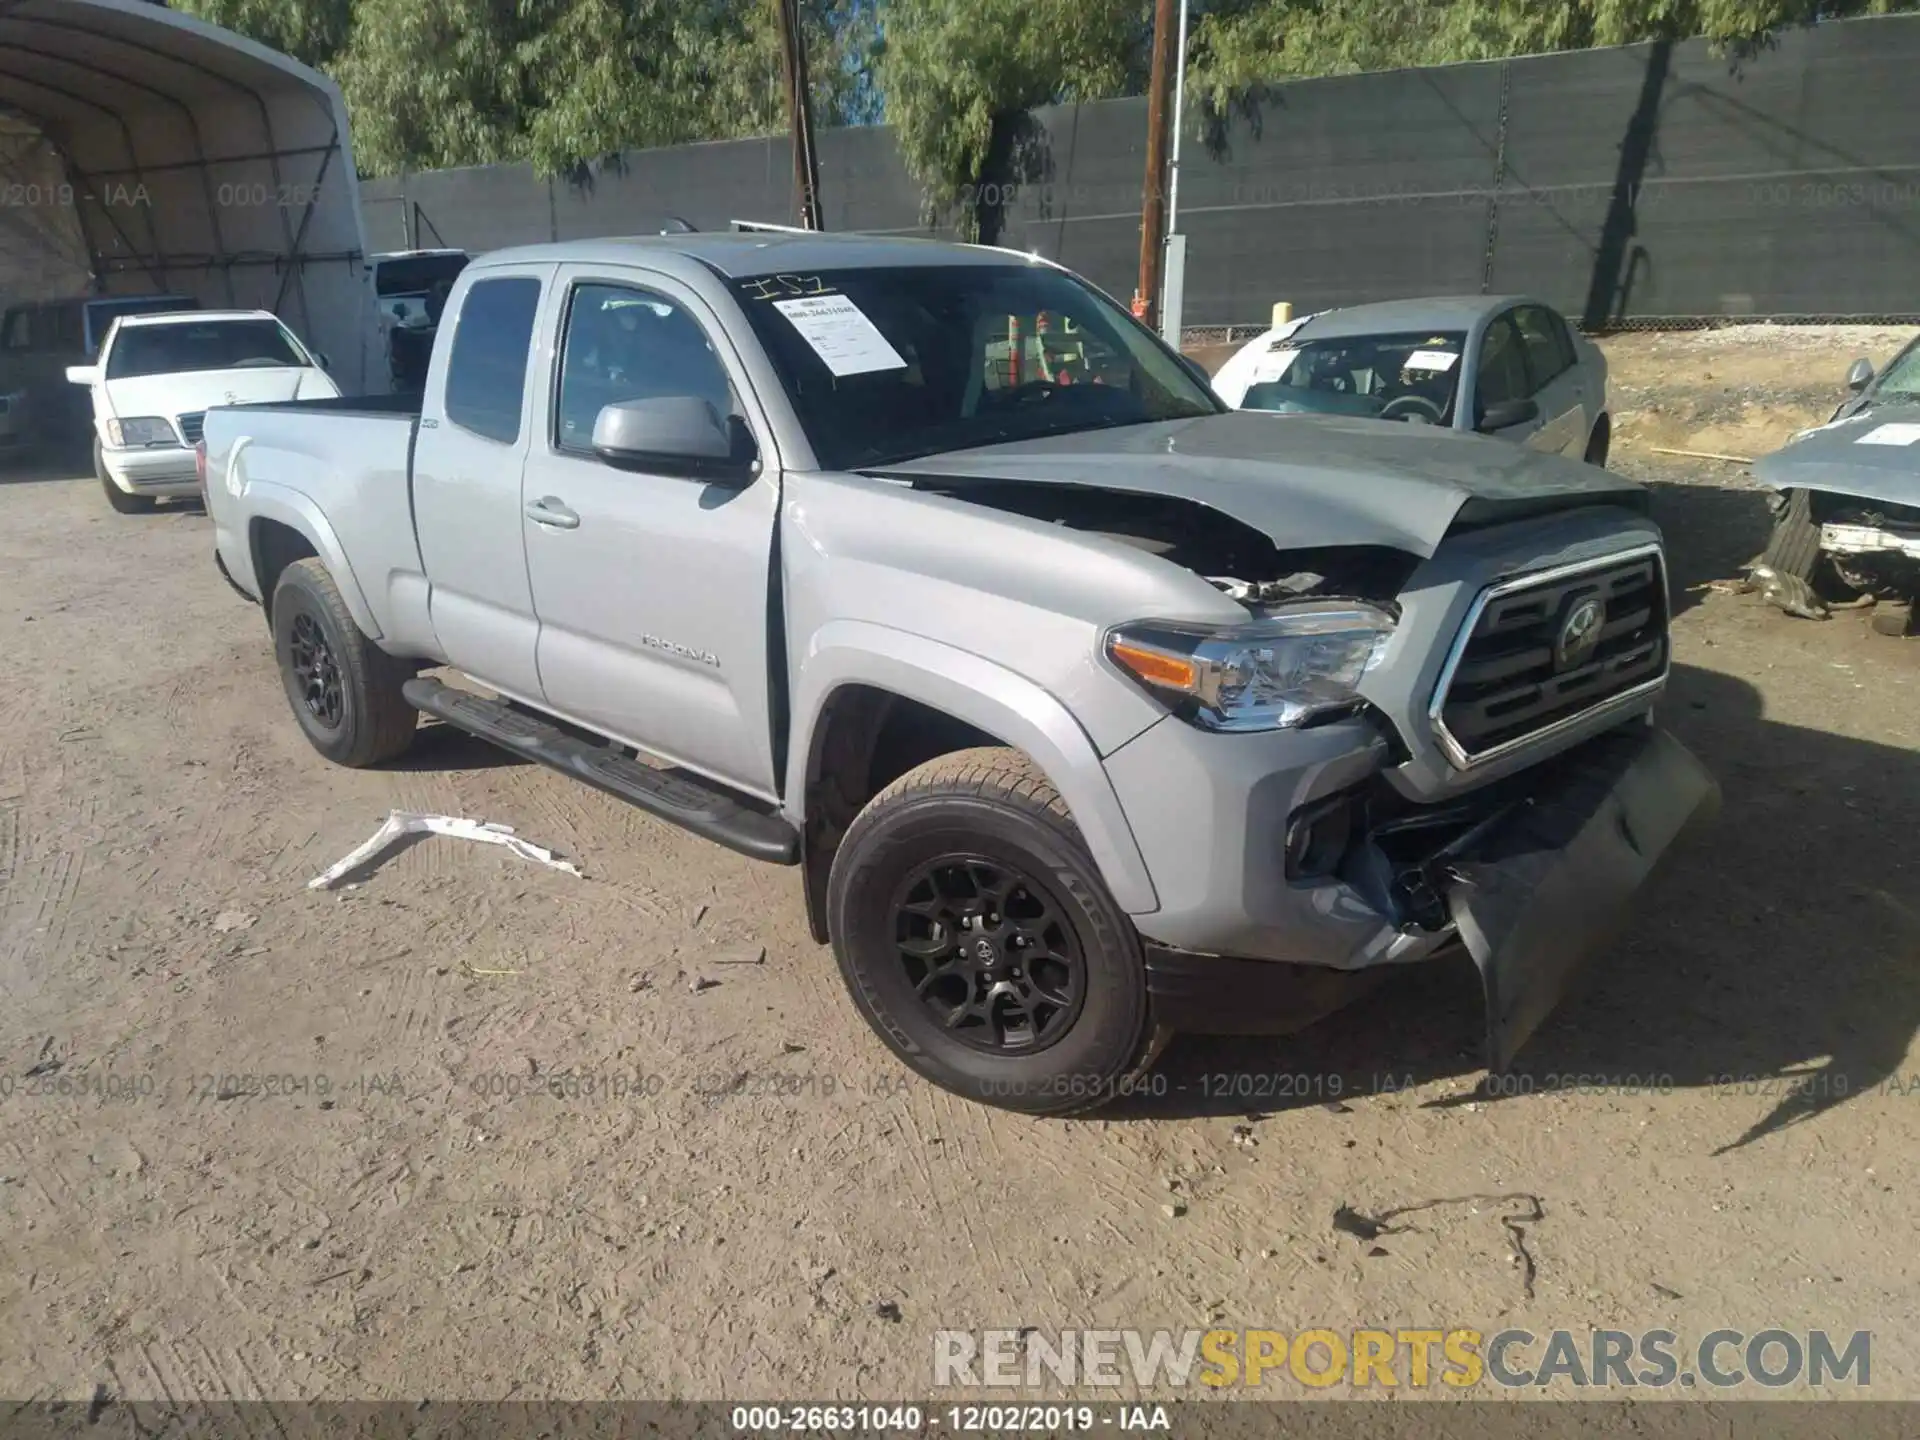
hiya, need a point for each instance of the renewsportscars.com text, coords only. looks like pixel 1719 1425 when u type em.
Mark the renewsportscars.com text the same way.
pixel 1404 1357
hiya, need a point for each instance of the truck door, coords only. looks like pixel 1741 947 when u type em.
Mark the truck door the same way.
pixel 476 424
pixel 651 589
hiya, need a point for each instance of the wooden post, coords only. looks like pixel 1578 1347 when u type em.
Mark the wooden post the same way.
pixel 806 162
pixel 1153 212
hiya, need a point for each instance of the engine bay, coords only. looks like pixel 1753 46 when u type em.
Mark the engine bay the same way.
pixel 1232 556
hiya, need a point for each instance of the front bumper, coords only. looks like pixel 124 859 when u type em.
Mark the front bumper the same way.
pixel 1538 875
pixel 1867 541
pixel 156 470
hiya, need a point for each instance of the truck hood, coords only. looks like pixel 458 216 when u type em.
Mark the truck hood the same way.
pixel 1874 455
pixel 1305 481
pixel 193 390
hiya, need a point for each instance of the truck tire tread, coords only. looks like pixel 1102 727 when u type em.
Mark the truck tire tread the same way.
pixel 1003 777
pixel 373 676
pixel 1794 547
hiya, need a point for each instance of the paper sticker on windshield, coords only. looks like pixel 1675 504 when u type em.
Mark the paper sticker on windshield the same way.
pixel 841 334
pixel 1890 435
pixel 1273 365
pixel 1431 360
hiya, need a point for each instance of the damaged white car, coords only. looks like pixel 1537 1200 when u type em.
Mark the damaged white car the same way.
pixel 1847 520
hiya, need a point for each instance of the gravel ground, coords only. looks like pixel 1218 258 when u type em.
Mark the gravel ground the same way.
pixel 264 1142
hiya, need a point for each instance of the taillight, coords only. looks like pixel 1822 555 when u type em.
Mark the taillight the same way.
pixel 200 467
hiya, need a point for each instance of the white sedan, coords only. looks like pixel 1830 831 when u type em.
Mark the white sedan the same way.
pixel 158 375
pixel 1502 365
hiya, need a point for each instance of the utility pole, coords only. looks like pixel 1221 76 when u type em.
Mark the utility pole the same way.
pixel 1153 213
pixel 806 162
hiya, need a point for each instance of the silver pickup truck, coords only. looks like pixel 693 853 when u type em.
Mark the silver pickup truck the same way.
pixel 1090 710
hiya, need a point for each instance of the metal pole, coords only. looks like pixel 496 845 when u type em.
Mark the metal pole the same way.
pixel 1179 124
pixel 1153 214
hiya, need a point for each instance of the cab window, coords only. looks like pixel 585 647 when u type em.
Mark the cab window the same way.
pixel 487 371
pixel 625 343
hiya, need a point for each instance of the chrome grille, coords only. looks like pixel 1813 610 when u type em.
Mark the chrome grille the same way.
pixel 192 425
pixel 1513 678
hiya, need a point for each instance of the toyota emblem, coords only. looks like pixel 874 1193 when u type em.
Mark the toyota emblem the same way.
pixel 1579 634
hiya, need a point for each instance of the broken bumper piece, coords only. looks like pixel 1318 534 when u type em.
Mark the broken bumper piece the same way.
pixel 1554 881
pixel 1855 540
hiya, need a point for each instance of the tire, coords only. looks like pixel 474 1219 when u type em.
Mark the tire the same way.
pixel 987 822
pixel 120 500
pixel 1600 442
pixel 1794 547
pixel 344 689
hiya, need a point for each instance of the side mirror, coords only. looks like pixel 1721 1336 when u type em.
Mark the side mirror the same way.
pixel 320 359
pixel 1195 369
pixel 83 374
pixel 675 435
pixel 1860 375
pixel 1505 414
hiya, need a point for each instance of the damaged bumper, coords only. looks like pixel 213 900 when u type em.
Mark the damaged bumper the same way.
pixel 1532 877
pixel 1870 540
pixel 1552 881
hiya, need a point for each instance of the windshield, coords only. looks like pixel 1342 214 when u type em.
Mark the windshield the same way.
pixel 214 345
pixel 1410 376
pixel 891 364
pixel 102 313
pixel 1901 380
pixel 417 274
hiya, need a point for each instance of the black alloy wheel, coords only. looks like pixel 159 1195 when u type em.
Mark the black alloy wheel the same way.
pixel 317 672
pixel 990 953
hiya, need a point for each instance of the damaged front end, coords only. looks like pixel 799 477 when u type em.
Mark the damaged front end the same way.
pixel 1847 517
pixel 1533 874
pixel 1874 547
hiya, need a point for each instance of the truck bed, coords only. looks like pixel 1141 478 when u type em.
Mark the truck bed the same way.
pixel 382 405
pixel 348 459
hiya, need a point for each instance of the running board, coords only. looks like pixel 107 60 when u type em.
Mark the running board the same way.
pixel 677 796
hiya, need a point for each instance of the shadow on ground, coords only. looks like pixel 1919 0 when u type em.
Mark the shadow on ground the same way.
pixel 40 465
pixel 1711 532
pixel 1778 954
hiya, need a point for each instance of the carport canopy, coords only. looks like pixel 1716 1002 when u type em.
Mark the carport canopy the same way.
pixel 190 160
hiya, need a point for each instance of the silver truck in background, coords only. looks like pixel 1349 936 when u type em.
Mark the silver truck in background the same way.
pixel 1089 710
pixel 1847 502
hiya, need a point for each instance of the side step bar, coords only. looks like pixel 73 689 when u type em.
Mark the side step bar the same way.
pixel 689 801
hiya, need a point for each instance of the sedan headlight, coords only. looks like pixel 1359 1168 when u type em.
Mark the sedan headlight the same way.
pixel 142 430
pixel 1295 663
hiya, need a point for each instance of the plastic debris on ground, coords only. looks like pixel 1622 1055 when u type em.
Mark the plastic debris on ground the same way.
pixel 401 823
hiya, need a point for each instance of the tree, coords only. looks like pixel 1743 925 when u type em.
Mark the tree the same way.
pixel 437 83
pixel 955 73
pixel 311 31
pixel 1241 44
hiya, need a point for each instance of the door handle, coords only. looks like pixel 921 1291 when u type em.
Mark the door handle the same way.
pixel 552 511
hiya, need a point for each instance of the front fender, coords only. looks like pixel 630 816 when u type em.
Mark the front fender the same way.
pixel 264 500
pixel 989 697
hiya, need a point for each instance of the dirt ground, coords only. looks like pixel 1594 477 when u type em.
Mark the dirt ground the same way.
pixel 258 1141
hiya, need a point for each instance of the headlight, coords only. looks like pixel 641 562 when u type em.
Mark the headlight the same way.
pixel 1298 662
pixel 143 430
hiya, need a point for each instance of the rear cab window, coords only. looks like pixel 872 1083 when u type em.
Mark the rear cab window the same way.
pixel 487 369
